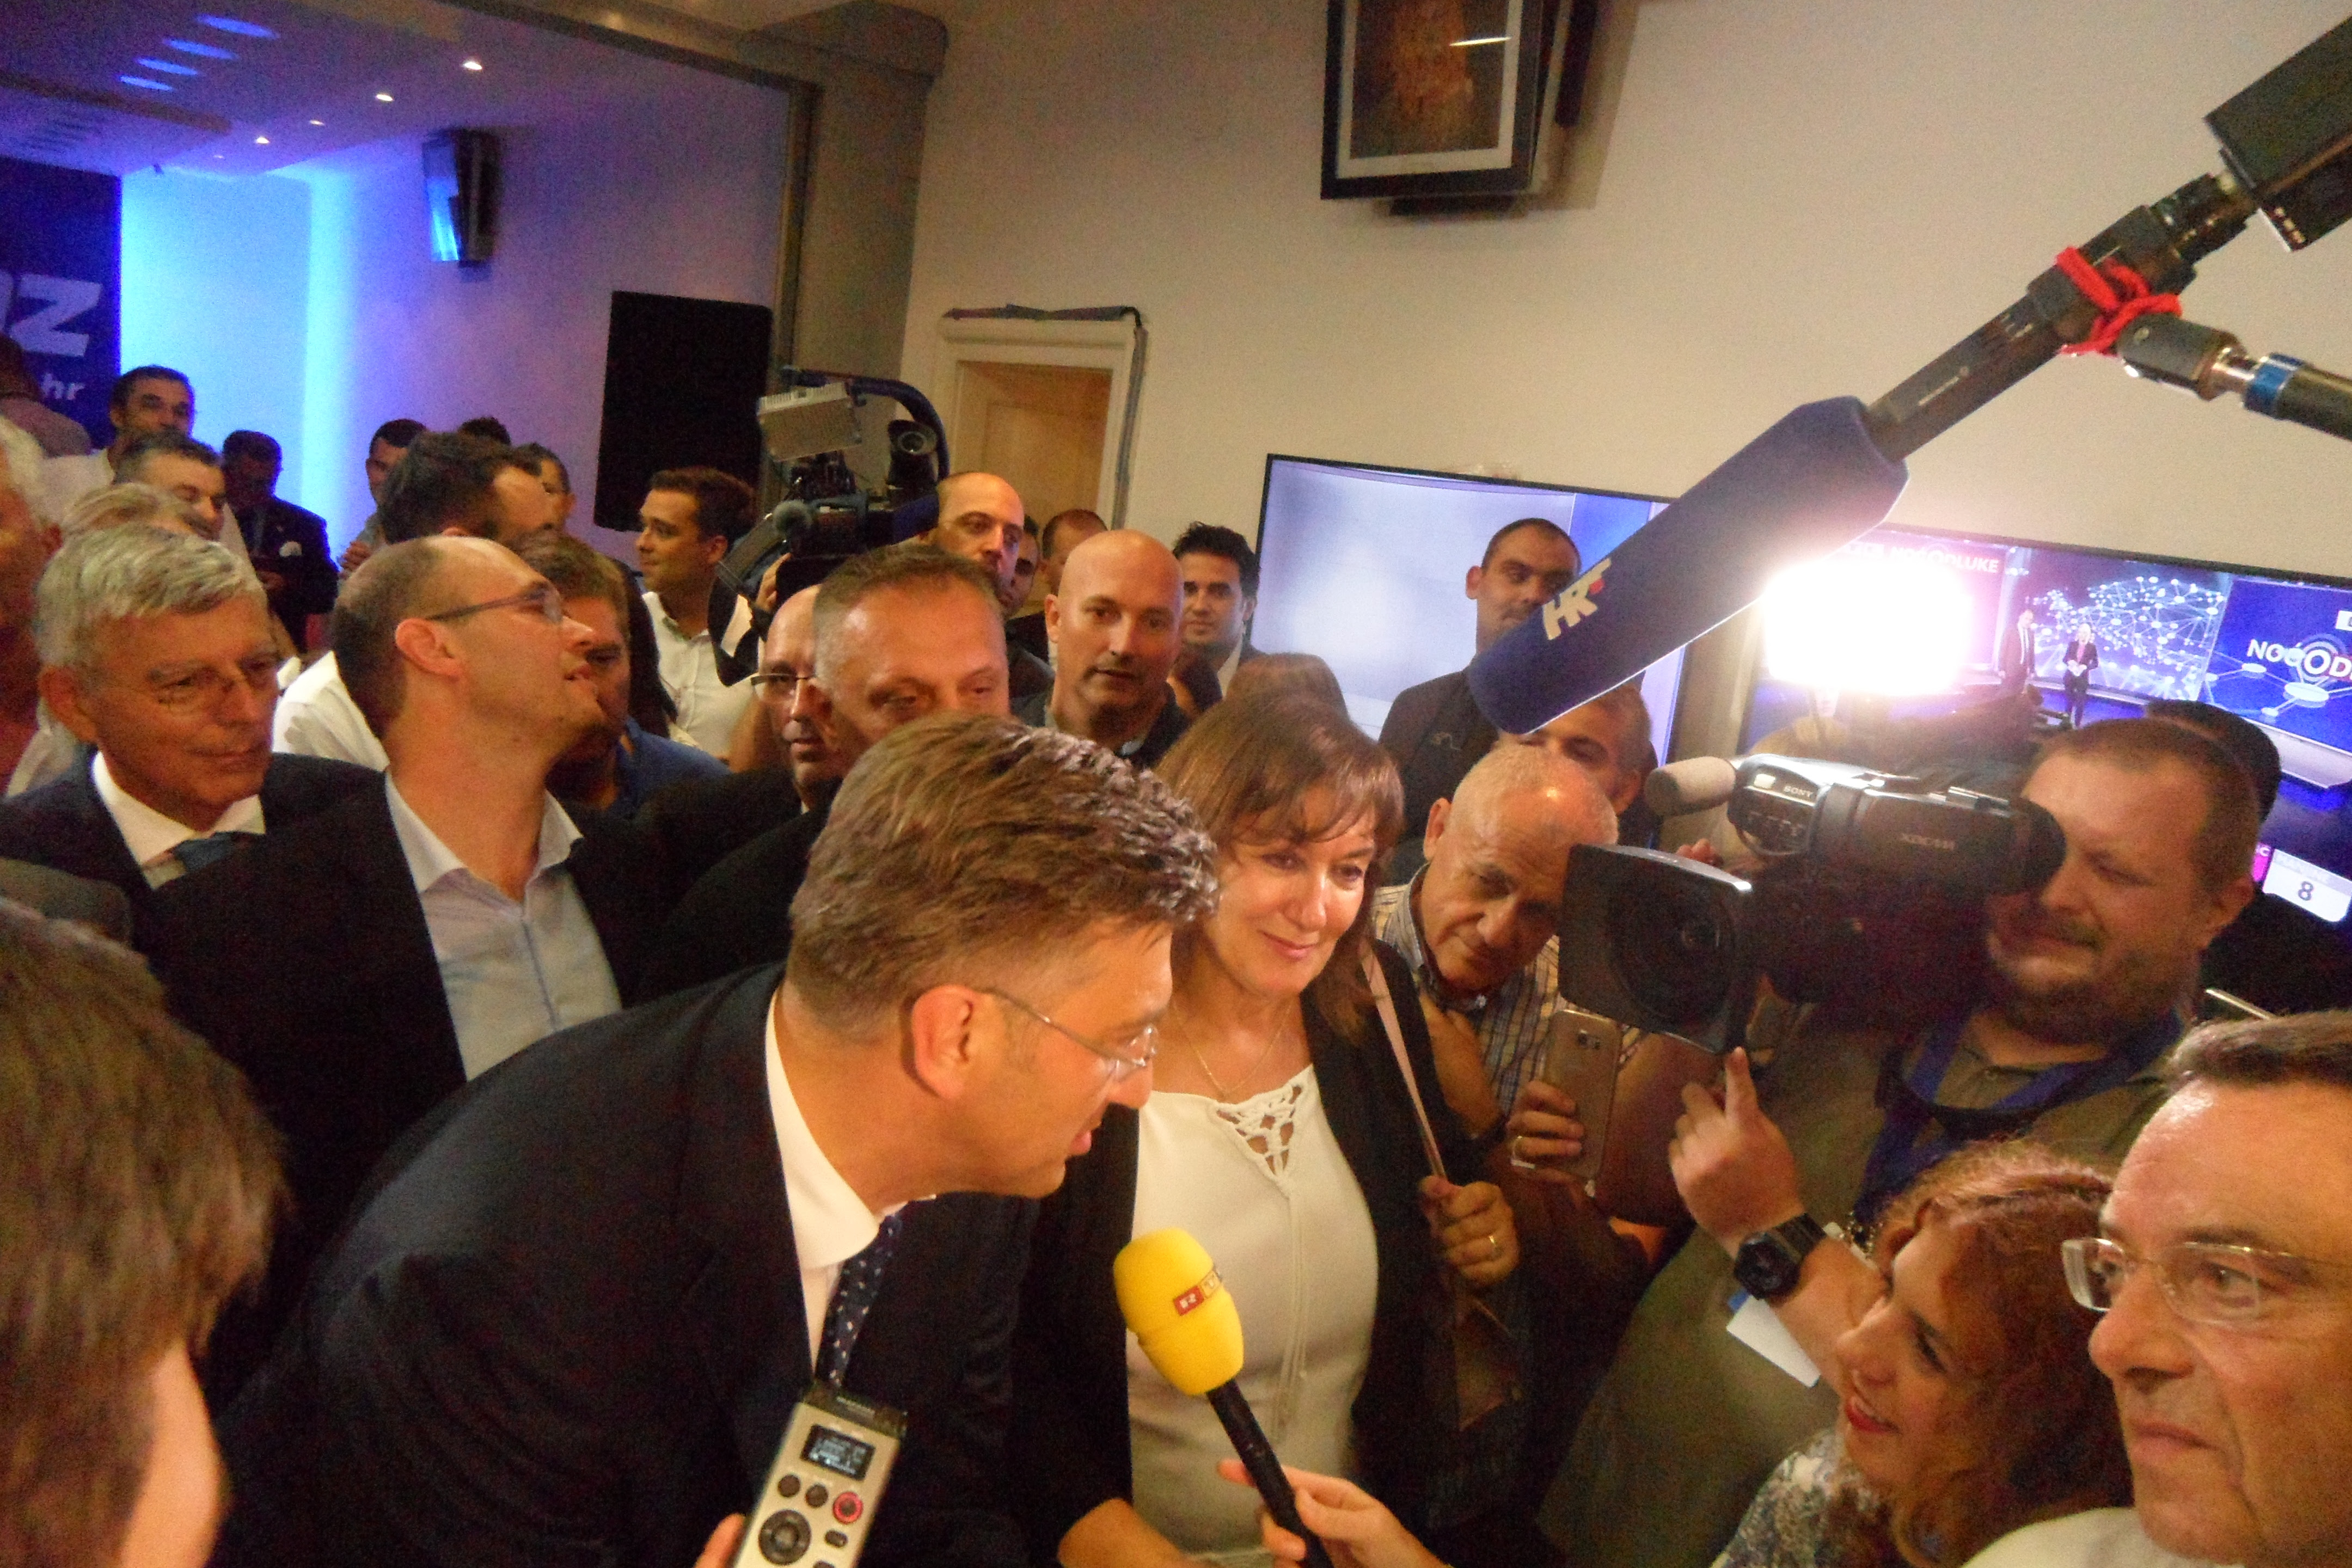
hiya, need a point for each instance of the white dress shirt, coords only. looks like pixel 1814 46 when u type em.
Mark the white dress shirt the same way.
pixel 2102 1538
pixel 65 480
pixel 707 709
pixel 1265 1186
pixel 317 718
pixel 513 972
pixel 831 1224
pixel 153 839
pixel 51 754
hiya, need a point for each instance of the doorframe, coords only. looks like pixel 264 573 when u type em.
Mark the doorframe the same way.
pixel 1109 340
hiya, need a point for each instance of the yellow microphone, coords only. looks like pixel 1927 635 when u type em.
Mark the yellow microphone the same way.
pixel 1190 1332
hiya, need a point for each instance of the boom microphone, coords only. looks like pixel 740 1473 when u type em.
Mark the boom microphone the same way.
pixel 1810 484
pixel 1695 783
pixel 1170 1294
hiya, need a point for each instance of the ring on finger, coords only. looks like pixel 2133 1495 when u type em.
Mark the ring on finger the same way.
pixel 1494 1245
pixel 1519 1161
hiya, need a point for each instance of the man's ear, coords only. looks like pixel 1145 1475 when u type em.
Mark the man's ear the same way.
pixel 424 645
pixel 1053 618
pixel 945 1050
pixel 1471 580
pixel 59 690
pixel 1440 811
pixel 2226 906
pixel 714 547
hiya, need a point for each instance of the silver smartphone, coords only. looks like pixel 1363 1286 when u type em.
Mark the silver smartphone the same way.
pixel 1581 1061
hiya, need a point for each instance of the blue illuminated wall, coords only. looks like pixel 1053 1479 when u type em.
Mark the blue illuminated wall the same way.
pixel 216 282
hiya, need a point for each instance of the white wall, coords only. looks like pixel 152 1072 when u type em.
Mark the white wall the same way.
pixel 1791 201
pixel 212 282
pixel 672 185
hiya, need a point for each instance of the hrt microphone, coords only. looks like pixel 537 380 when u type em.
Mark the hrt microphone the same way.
pixel 1810 484
pixel 1170 1294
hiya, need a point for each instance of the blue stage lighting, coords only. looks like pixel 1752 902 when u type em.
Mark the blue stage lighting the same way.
pixel 203 51
pixel 142 82
pixel 169 67
pixel 241 28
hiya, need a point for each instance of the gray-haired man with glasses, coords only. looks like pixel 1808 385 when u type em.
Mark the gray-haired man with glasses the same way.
pixel 573 1326
pixel 365 964
pixel 2224 1273
pixel 156 651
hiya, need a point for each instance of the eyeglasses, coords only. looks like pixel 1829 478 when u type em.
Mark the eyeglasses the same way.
pixel 1131 1055
pixel 540 596
pixel 2204 1282
pixel 777 686
pixel 205 687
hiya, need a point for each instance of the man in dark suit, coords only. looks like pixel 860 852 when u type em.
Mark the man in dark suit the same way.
pixel 155 650
pixel 426 927
pixel 288 544
pixel 1435 730
pixel 570 1327
pixel 899 634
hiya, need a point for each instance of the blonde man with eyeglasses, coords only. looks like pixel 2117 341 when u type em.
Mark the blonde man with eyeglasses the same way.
pixel 431 926
pixel 156 652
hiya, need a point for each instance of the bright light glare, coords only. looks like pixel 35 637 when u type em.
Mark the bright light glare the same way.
pixel 142 82
pixel 383 97
pixel 169 67
pixel 203 51
pixel 243 29
pixel 1473 43
pixel 473 65
pixel 1858 624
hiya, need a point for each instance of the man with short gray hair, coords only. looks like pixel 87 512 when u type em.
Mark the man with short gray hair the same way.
pixel 118 505
pixel 430 925
pixel 155 650
pixel 572 1325
pixel 900 633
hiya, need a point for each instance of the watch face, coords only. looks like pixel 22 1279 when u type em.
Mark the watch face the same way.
pixel 1765 1266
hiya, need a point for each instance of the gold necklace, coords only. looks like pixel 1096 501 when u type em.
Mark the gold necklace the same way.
pixel 1225 1094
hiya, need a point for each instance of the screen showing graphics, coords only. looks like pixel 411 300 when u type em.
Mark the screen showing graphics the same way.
pixel 2097 636
pixel 1364 567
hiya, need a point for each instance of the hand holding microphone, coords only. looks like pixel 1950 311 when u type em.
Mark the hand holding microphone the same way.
pixel 1170 1294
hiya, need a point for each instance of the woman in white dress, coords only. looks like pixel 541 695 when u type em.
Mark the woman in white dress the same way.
pixel 1280 1134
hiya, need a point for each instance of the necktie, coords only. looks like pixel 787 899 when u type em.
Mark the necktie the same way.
pixel 853 1300
pixel 195 853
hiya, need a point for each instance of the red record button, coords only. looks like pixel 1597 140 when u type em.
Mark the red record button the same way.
pixel 847 1507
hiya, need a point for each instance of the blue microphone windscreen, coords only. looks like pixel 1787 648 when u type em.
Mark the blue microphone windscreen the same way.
pixel 917 517
pixel 1808 485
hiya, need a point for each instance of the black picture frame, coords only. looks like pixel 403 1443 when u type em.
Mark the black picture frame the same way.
pixel 1409 112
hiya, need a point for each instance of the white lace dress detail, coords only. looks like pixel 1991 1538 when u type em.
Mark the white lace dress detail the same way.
pixel 1265 1188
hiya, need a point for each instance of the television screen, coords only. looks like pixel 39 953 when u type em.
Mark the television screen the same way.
pixel 1935 621
pixel 1364 566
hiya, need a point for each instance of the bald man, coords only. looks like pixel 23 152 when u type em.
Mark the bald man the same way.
pixel 1477 930
pixel 1114 628
pixel 981 520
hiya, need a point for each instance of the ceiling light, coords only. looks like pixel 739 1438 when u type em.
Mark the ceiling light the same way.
pixel 204 51
pixel 383 97
pixel 473 65
pixel 169 67
pixel 318 123
pixel 241 28
pixel 142 82
pixel 261 141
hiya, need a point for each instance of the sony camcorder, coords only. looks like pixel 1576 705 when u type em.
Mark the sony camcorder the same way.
pixel 1869 897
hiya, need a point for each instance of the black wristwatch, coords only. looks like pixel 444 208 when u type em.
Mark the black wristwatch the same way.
pixel 1768 1262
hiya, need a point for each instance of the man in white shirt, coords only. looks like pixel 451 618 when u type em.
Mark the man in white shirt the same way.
pixel 690 519
pixel 445 483
pixel 155 649
pixel 421 931
pixel 148 400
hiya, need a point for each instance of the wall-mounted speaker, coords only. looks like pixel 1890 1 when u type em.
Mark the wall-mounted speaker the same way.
pixel 461 193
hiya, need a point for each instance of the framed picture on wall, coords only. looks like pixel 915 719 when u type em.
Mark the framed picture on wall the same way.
pixel 1434 98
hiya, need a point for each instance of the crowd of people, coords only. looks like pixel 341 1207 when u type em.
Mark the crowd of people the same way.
pixel 499 1067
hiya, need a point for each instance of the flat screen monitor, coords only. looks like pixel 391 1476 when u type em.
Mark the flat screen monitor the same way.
pixel 2274 647
pixel 1365 565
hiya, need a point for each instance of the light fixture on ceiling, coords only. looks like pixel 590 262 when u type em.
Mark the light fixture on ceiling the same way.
pixel 318 123
pixel 473 65
pixel 143 82
pixel 202 51
pixel 383 97
pixel 169 67
pixel 242 28
pixel 261 141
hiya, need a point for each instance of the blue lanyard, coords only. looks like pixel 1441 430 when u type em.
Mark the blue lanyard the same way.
pixel 1918 1131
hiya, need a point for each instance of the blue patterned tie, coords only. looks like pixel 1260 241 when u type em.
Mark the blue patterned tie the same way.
pixel 195 853
pixel 853 1300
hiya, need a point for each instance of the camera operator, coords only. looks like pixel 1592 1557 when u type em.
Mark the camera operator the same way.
pixel 2080 1000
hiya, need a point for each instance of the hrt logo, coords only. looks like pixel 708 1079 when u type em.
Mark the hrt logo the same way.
pixel 42 331
pixel 1575 601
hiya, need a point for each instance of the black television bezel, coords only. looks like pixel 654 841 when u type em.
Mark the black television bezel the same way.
pixel 2318 579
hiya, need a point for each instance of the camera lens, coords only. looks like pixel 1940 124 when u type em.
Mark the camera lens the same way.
pixel 1675 949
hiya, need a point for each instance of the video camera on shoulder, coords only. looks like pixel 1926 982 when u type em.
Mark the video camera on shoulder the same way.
pixel 1870 898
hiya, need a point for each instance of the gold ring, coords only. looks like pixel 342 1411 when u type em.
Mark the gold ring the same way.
pixel 1494 1245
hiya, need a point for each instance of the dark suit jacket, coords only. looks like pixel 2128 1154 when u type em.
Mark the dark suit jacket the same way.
pixel 292 542
pixel 62 896
pixel 64 825
pixel 305 960
pixel 699 823
pixel 739 914
pixel 569 1329
pixel 1437 734
pixel 1070 1441
pixel 1166 730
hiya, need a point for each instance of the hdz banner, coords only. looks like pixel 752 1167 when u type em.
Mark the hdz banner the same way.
pixel 61 284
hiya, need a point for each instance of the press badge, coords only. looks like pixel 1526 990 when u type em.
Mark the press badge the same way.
pixel 820 1494
pixel 1759 1328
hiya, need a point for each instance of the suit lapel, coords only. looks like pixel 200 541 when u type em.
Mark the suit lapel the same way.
pixel 363 855
pixel 98 842
pixel 743 1315
pixel 617 897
